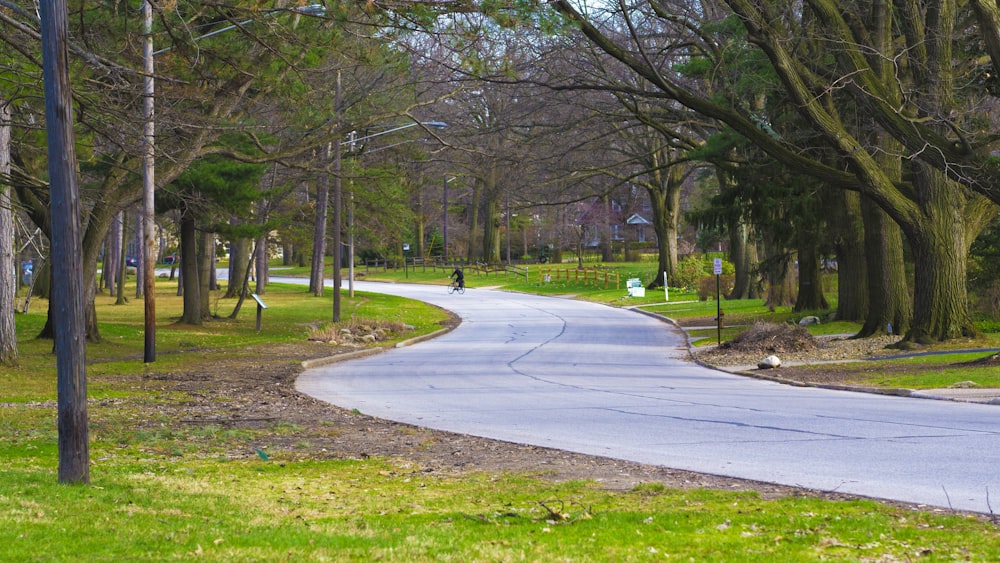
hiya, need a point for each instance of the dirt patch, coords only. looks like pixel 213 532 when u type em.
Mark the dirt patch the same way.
pixel 989 361
pixel 256 389
pixel 767 338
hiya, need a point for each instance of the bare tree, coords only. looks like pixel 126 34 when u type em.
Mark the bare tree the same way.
pixel 945 178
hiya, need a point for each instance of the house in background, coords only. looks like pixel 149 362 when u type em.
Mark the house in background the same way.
pixel 619 220
pixel 638 227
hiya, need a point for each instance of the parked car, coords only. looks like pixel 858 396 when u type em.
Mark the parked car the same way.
pixel 171 259
pixel 132 262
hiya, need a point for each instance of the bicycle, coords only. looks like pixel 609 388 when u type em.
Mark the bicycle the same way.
pixel 455 287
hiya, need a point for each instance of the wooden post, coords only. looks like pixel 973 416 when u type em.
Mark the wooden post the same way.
pixel 67 290
pixel 337 249
pixel 148 251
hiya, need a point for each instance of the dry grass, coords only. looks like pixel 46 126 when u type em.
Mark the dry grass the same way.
pixel 357 330
pixel 772 339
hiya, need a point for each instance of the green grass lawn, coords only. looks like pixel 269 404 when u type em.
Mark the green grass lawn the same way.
pixel 371 510
pixel 166 490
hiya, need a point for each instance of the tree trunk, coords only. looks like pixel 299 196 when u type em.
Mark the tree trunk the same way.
pixel 890 306
pixel 112 254
pixel 122 260
pixel 746 261
pixel 779 269
pixel 491 215
pixel 263 273
pixel 491 229
pixel 319 237
pixel 952 219
pixel 244 284
pixel 606 242
pixel 848 240
pixel 810 297
pixel 421 220
pixel 477 190
pixel 206 262
pixel 189 271
pixel 239 254
pixel 665 199
pixel 8 264
pixel 140 258
pixel 68 295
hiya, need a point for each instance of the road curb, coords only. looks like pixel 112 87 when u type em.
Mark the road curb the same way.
pixel 318 362
pixel 933 394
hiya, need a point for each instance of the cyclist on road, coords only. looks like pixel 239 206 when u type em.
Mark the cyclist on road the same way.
pixel 459 277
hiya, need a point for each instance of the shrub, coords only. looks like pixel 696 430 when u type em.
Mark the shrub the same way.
pixel 690 270
pixel 707 286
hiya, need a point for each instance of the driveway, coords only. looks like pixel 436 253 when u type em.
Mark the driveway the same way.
pixel 604 381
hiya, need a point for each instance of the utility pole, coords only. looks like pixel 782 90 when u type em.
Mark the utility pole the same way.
pixel 67 290
pixel 444 223
pixel 148 185
pixel 337 247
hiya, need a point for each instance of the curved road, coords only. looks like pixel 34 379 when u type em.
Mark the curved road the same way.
pixel 612 382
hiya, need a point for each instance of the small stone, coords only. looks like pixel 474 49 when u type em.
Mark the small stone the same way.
pixel 769 362
pixel 805 321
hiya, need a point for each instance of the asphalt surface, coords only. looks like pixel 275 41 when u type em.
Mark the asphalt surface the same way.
pixel 605 381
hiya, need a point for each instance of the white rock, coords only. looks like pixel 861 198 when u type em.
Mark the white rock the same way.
pixel 809 321
pixel 770 362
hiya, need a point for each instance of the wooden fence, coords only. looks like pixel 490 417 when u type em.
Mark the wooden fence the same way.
pixel 585 276
pixel 546 274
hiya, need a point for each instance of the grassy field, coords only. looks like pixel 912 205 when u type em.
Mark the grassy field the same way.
pixel 166 490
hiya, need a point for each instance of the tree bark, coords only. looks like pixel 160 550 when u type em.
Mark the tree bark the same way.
pixel 8 261
pixel 421 221
pixel 810 295
pixel 189 271
pixel 239 252
pixel 141 259
pixel 779 270
pixel 491 215
pixel 607 254
pixel 316 273
pixel 477 190
pixel 940 247
pixel 491 230
pixel 890 304
pixel 665 198
pixel 206 262
pixel 263 272
pixel 122 259
pixel 746 261
pixel 68 295
pixel 112 253
pixel 847 228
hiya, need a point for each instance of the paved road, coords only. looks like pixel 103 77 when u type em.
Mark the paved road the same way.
pixel 598 380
